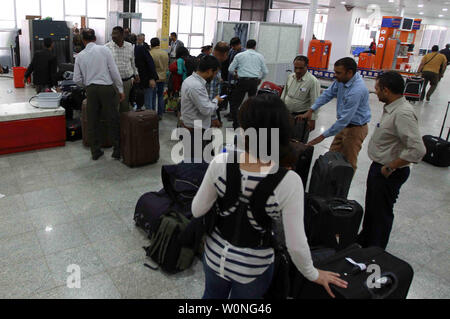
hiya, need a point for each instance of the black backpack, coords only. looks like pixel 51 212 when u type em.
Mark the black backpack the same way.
pixel 247 236
pixel 191 63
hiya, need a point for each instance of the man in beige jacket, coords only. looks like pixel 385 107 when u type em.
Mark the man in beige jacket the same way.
pixel 161 60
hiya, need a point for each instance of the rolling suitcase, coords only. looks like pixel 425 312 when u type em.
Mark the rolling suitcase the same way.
pixel 438 149
pixel 331 222
pixel 300 129
pixel 139 137
pixel 299 159
pixel 73 130
pixel 331 176
pixel 380 275
pixel 413 88
pixel 105 140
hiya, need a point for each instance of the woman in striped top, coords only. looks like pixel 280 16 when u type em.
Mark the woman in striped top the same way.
pixel 237 272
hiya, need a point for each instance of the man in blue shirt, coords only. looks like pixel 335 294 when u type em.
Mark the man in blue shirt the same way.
pixel 353 111
pixel 251 69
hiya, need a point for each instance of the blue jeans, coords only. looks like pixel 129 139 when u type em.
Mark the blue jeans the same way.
pixel 218 288
pixel 159 91
pixel 148 99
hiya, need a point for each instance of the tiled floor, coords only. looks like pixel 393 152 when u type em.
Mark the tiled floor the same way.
pixel 62 208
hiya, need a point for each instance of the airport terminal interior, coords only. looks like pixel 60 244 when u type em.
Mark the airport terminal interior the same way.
pixel 59 207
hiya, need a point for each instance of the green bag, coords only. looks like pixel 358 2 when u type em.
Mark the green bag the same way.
pixel 165 248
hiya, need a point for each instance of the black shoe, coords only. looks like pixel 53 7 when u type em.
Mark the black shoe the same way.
pixel 97 155
pixel 116 155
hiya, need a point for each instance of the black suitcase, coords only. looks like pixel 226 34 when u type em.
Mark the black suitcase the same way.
pixel 299 159
pixel 331 222
pixel 438 149
pixel 73 130
pixel 331 176
pixel 300 129
pixel 384 277
pixel 413 88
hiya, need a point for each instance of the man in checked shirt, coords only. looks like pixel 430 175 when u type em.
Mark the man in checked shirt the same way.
pixel 123 54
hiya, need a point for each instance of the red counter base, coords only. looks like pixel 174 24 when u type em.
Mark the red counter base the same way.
pixel 32 134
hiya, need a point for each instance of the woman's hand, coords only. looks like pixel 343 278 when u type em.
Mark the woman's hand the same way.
pixel 326 278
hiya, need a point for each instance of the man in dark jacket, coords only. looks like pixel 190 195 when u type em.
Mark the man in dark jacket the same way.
pixel 147 72
pixel 43 67
pixel 446 52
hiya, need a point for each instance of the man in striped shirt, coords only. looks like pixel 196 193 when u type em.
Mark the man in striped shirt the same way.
pixel 123 53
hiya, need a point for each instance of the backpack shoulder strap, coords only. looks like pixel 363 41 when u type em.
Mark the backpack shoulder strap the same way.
pixel 261 194
pixel 233 182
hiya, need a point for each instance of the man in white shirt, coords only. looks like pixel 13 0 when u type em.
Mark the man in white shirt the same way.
pixel 123 53
pixel 96 70
pixel 174 45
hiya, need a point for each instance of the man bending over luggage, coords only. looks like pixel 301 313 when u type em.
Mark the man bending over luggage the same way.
pixel 395 144
pixel 95 69
pixel 353 111
pixel 195 102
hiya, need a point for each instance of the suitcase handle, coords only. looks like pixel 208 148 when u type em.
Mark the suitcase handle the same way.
pixel 443 123
pixel 388 284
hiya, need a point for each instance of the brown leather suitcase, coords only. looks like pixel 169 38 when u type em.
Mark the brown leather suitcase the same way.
pixel 139 137
pixel 105 140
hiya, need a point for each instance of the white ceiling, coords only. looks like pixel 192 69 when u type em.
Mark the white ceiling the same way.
pixel 431 8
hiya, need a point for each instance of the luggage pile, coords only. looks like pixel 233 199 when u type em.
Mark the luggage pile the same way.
pixel 166 214
pixel 331 225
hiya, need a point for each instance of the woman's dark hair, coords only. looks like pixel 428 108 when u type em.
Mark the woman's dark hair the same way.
pixel 266 111
pixel 208 62
pixel 182 52
pixel 348 64
pixel 392 81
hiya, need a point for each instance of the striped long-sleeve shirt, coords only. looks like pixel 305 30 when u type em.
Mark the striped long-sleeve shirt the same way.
pixel 245 264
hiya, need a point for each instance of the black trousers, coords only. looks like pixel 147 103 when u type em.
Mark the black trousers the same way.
pixel 102 99
pixel 243 86
pixel 431 77
pixel 381 195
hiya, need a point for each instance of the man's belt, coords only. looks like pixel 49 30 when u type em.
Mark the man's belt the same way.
pixel 355 125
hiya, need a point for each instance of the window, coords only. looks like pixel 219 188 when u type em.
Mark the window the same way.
pixel 199 17
pixel 149 9
pixel 173 18
pixel 150 30
pixel 7 11
pixel 97 8
pixel 26 7
pixel 75 7
pixel 53 9
pixel 320 23
pixel 184 21
pixel 199 30
pixel 99 26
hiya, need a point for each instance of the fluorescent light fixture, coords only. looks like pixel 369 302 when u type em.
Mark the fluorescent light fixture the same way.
pixel 441 15
pixel 420 5
pixel 421 13
pixel 444 9
pixel 391 1
pixel 343 2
